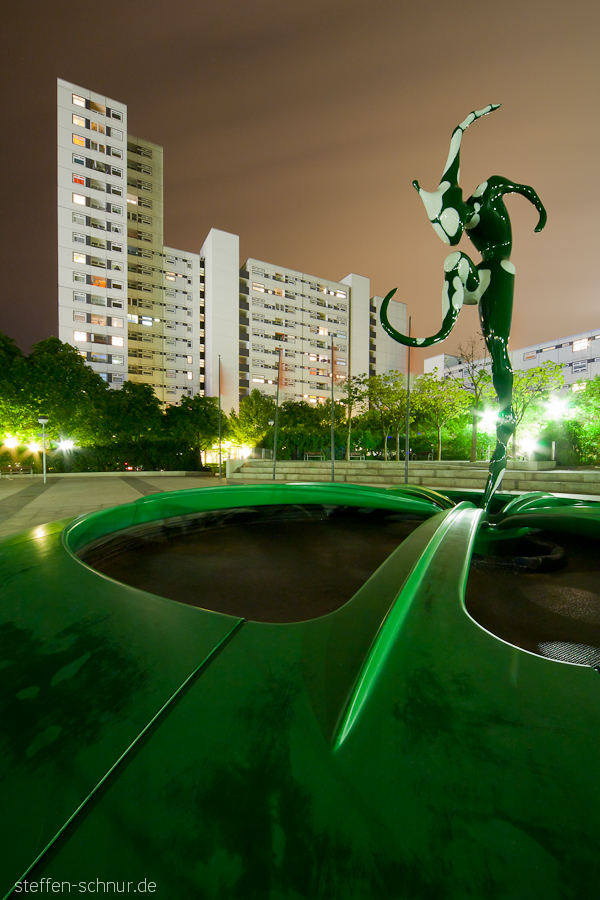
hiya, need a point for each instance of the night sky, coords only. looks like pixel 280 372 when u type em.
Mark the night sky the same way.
pixel 300 125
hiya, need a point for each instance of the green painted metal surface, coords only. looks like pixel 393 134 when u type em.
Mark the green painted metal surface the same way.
pixel 484 218
pixel 393 748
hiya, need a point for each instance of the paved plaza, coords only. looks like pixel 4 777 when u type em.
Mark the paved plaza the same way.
pixel 26 502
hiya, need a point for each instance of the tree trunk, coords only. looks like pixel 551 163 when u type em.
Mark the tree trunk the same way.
pixel 348 432
pixel 473 456
pixel 385 437
pixel 514 443
pixel 398 445
pixel 439 443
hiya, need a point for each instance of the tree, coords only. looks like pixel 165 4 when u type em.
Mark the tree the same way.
pixel 354 392
pixel 58 383
pixel 387 399
pixel 439 402
pixel 530 386
pixel 196 421
pixel 134 413
pixel 251 424
pixel 477 379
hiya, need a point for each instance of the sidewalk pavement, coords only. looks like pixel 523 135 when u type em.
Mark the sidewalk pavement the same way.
pixel 26 502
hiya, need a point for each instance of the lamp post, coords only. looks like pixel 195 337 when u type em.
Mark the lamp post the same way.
pixel 43 420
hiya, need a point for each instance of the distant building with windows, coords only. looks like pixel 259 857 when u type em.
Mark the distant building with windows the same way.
pixel 128 303
pixel 323 328
pixel 188 323
pixel 578 354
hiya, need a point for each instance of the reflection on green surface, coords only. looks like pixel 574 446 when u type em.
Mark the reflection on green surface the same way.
pixel 392 748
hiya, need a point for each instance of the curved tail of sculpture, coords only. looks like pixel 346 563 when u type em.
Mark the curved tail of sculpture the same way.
pixel 447 326
pixel 463 283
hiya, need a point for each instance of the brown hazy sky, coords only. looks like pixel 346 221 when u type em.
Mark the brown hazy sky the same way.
pixel 300 125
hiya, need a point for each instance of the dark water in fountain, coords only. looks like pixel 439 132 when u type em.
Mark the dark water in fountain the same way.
pixel 270 564
pixel 553 613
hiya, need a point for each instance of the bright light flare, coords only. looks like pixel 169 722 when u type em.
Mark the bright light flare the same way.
pixel 488 420
pixel 557 407
pixel 527 445
pixel 34 448
pixel 11 442
pixel 65 445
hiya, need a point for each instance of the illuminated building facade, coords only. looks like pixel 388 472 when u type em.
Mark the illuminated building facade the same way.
pixel 129 304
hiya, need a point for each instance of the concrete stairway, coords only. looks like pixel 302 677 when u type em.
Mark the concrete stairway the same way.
pixel 440 475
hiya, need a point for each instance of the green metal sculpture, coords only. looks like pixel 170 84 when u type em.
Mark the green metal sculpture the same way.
pixel 489 283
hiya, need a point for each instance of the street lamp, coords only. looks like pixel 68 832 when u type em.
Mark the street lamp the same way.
pixel 43 420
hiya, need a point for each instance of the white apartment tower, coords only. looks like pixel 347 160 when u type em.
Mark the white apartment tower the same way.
pixel 322 328
pixel 129 304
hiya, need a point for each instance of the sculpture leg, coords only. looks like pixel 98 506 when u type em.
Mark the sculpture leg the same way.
pixel 495 310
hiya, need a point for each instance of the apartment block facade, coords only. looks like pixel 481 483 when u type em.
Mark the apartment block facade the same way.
pixel 578 354
pixel 264 313
pixel 129 304
pixel 188 323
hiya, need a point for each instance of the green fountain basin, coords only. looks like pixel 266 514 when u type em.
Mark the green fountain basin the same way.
pixel 389 746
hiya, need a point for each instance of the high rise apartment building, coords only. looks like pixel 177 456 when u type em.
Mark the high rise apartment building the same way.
pixel 129 304
pixel 188 323
pixel 257 311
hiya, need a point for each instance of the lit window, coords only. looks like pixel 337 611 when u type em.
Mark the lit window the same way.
pixel 98 282
pixel 78 120
pixel 146 320
pixel 118 360
pixel 96 126
pixel 78 101
pixel 79 276
pixel 80 141
pixel 78 238
pixel 132 317
pixel 117 341
pixel 579 387
pixel 580 345
pixel 170 276
pixel 189 376
pixel 98 320
pixel 98 107
pixel 546 349
pixel 189 360
pixel 79 179
pixel 78 257
pixel 79 199
pixel 103 376
pixel 531 354
pixel 80 336
pixel 98 301
pixel 99 357
pixel 78 316
pixel 117 323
